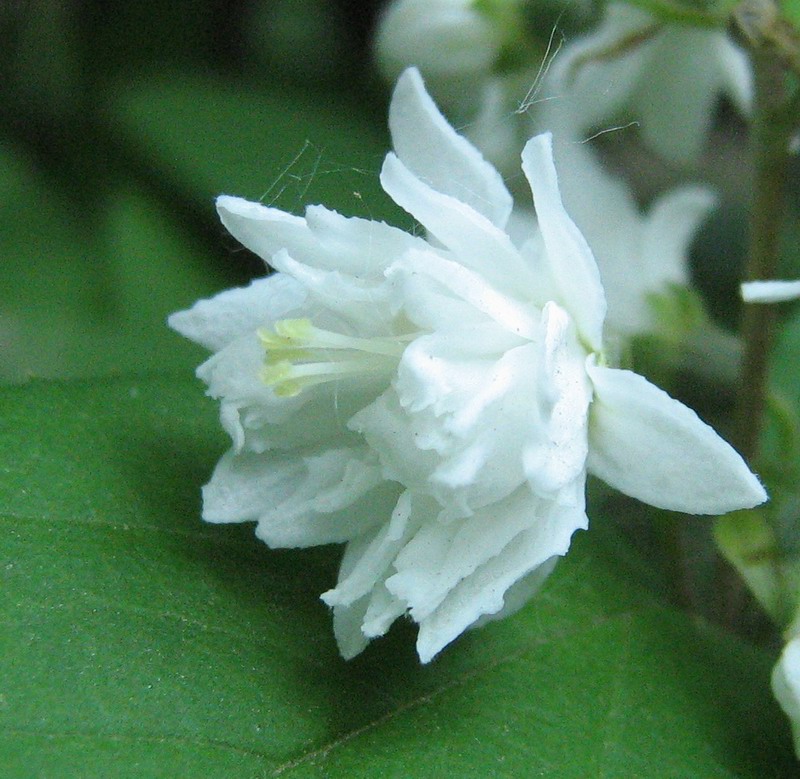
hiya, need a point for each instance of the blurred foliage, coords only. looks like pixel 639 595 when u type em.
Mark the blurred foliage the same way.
pixel 121 122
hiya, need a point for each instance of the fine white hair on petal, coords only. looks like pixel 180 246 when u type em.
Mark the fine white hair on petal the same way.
pixel 770 291
pixel 434 151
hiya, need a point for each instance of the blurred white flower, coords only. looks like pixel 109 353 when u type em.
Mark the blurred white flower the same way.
pixel 770 291
pixel 786 686
pixel 665 77
pixel 451 41
pixel 435 402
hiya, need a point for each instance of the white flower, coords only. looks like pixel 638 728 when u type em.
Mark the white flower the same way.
pixel 666 77
pixel 770 291
pixel 786 686
pixel 451 41
pixel 435 403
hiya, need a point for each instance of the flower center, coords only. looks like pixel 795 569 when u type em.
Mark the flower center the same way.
pixel 300 355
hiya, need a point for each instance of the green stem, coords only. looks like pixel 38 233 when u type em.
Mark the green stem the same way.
pixel 770 142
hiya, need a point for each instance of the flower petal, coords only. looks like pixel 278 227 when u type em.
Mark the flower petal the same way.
pixel 217 321
pixel 374 554
pixel 770 291
pixel 330 496
pixel 431 149
pixel 323 239
pixel 786 686
pixel 483 592
pixel 677 94
pixel 477 243
pixel 651 447
pixel 669 228
pixel 557 455
pixel 571 263
pixel 471 287
pixel 441 555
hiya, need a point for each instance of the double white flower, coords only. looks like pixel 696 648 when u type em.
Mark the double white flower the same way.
pixel 435 402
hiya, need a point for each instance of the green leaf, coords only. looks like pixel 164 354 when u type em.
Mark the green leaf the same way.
pixel 791 11
pixel 87 294
pixel 139 642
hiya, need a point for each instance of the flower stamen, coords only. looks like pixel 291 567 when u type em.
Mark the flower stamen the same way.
pixel 300 355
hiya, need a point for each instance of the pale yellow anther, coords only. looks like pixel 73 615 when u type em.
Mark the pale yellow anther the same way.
pixel 299 355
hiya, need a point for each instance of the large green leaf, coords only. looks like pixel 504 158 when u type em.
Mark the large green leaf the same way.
pixel 138 642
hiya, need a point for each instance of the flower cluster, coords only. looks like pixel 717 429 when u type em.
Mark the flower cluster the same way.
pixel 435 402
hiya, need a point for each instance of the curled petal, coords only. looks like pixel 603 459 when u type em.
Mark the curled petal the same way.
pixel 483 593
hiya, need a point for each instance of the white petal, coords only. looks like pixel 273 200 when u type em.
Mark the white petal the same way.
pixel 347 622
pixel 432 150
pixel 557 455
pixel 770 291
pixel 442 555
pixel 676 96
pixel 374 555
pixel 593 85
pixel 324 239
pixel 471 287
pixel 383 609
pixel 386 429
pixel 483 592
pixel 651 447
pixel 518 594
pixel 429 305
pixel 359 247
pixel 264 230
pixel 571 263
pixel 786 686
pixel 448 39
pixel 735 72
pixel 215 322
pixel 471 237
pixel 669 229
pixel 299 501
pixel 470 415
pixel 363 304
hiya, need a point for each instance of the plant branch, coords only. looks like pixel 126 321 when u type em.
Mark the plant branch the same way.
pixel 770 142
